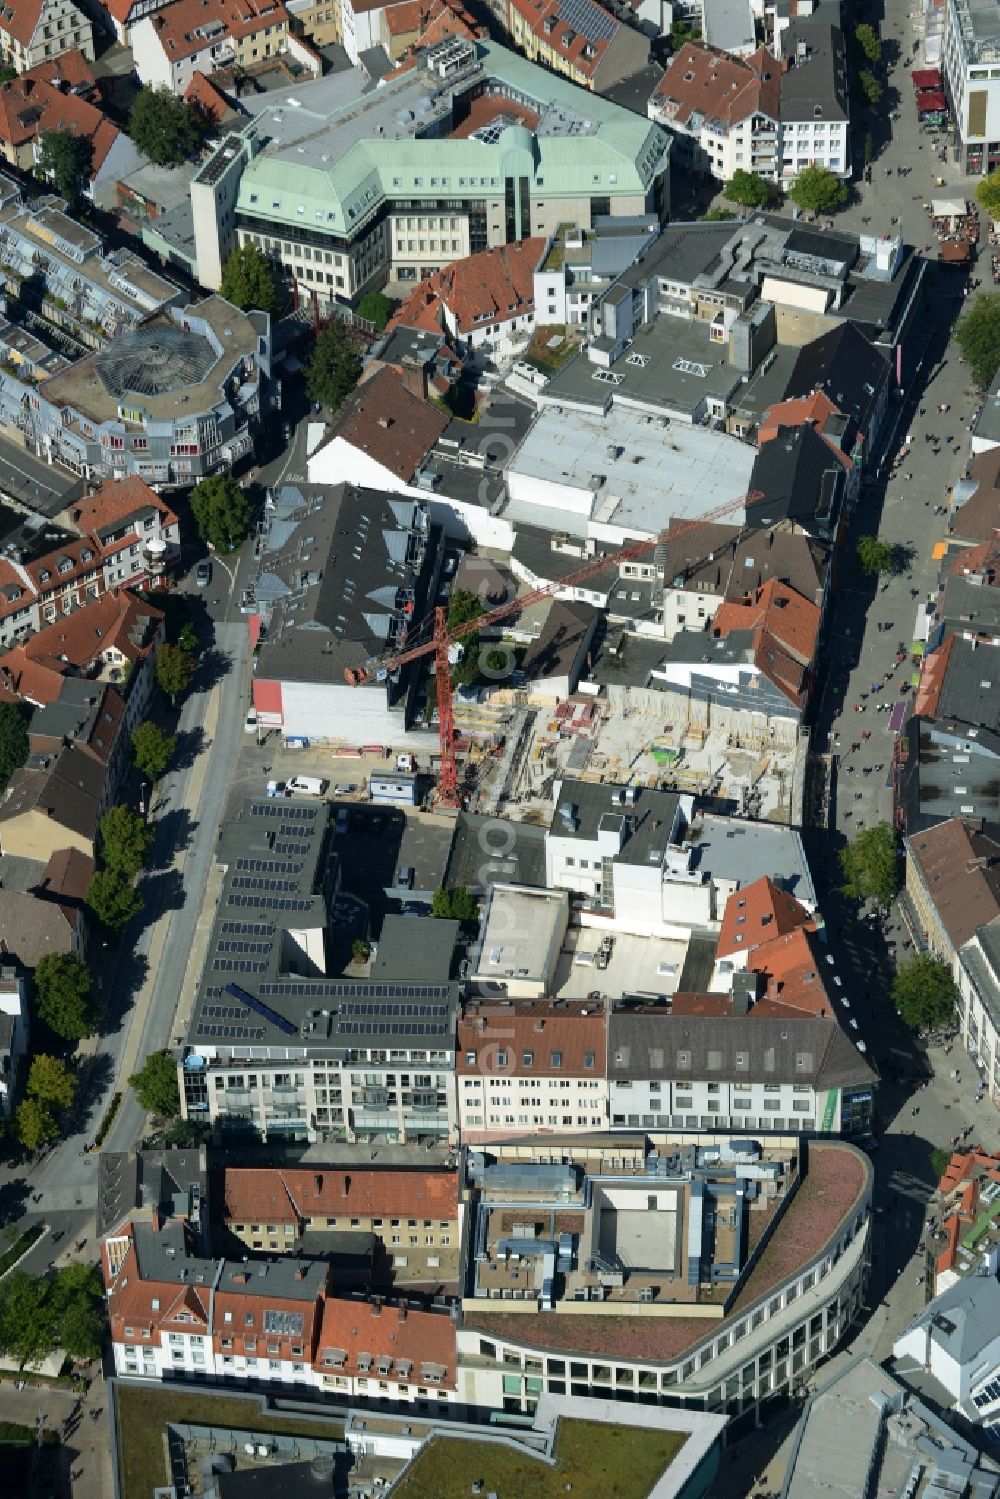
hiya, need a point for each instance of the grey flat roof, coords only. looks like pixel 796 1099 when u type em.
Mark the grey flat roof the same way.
pixel 744 851
pixel 729 24
pixel 650 816
pixel 680 472
pixel 486 849
pixel 670 365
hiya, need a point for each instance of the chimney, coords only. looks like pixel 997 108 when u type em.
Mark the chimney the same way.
pixel 347 1185
pixel 376 1308
pixel 401 1313
pixel 415 377
pixel 319 1183
pixel 300 1272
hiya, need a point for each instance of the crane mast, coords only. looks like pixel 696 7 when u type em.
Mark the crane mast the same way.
pixel 442 638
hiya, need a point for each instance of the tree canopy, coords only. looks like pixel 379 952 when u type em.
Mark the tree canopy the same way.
pixel 165 127
pixel 376 308
pixel 14 747
pixel 816 190
pixel 870 87
pixel 978 335
pixel 334 366
pixel 988 194
pixel 174 670
pixel 248 280
pixel 126 839
pixel 52 1082
pixel 68 159
pixel 222 512
pixel 456 904
pixel 869 864
pixel 113 899
pixel 875 556
pixel 869 41
pixel 923 993
pixel 39 1314
pixel 35 1125
pixel 63 998
pixel 155 1085
pixel 152 749
pixel 746 188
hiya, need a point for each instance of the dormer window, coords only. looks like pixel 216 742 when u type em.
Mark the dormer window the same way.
pixel 44 575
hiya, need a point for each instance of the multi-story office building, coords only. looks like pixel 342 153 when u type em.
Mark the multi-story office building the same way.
pixel 278 1046
pixel 471 147
pixel 175 398
pixel 693 1312
pixel 971 57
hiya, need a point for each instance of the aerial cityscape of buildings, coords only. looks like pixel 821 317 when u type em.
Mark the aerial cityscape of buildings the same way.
pixel 499 796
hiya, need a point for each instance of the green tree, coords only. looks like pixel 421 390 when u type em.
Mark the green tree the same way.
pixel 869 864
pixel 869 41
pixel 870 87
pixel 376 308
pixel 222 512
pixel 68 159
pixel 248 280
pixel 923 993
pixel 14 747
pixel 978 335
pixel 155 1085
pixel 746 188
pixel 988 194
pixel 360 950
pixel 188 1132
pixel 152 750
pixel 164 127
pixel 126 839
pixel 334 366
pixel 174 670
pixel 63 997
pixel 456 904
pixel 717 215
pixel 76 1306
pixel 869 149
pixel 816 190
pixel 187 638
pixel 26 1318
pixel 34 1125
pixel 874 556
pixel 7 75
pixel 113 899
pixel 463 607
pixel 52 1083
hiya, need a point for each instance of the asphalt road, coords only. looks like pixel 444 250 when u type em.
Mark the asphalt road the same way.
pixel 190 800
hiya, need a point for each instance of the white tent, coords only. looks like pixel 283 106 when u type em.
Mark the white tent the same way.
pixel 949 208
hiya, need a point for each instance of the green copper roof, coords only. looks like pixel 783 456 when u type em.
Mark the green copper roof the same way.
pixel 329 173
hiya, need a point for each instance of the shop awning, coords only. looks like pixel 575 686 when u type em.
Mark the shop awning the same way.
pixel 926 78
pixel 955 250
pixel 897 716
pixel 931 103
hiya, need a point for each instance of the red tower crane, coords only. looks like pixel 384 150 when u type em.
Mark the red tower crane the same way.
pixel 441 638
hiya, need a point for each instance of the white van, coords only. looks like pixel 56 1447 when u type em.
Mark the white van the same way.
pixel 307 786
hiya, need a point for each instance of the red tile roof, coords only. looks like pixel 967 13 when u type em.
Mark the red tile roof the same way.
pixel 493 286
pixel 177 26
pixel 758 913
pixel 960 870
pixel 573 1029
pixel 404 18
pixel 547 20
pixel 933 671
pixel 117 500
pixel 793 977
pixel 391 424
pixel 984 559
pixel 69 70
pixel 202 92
pixel 706 81
pixel 231 1310
pixel 404 1340
pixel 30 105
pixel 291 1195
pixel 119 619
pixel 20 20
pixel 785 631
pixel 816 409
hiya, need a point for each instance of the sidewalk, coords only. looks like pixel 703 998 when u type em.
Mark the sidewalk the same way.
pixel 84 1456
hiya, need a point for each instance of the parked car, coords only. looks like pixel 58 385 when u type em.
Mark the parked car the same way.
pixel 250 722
pixel 286 431
pixel 203 574
pixel 405 877
pixel 414 908
pixel 307 786
pixel 343 788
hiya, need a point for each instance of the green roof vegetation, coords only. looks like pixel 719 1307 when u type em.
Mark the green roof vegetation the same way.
pixel 549 358
pixel 143 1415
pixel 592 1461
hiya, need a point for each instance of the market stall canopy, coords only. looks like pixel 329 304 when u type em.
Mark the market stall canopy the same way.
pixel 931 103
pixel 949 208
pixel 926 78
pixel 955 250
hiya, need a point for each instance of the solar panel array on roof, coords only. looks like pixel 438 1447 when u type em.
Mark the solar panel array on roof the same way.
pixel 262 1009
pixel 590 20
pixel 352 989
pixel 239 965
pixel 230 945
pixel 230 1032
pixel 264 902
pixel 248 928
pixel 262 882
pixel 268 866
pixel 391 1028
pixel 289 813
